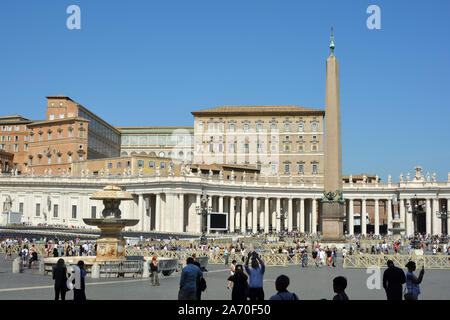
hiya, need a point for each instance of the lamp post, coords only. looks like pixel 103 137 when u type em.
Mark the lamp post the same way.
pixel 281 216
pixel 415 211
pixel 203 210
pixel 443 215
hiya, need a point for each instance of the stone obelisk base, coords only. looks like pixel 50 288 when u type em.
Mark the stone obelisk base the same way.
pixel 333 222
pixel 110 249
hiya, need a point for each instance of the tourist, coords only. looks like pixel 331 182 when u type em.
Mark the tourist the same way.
pixel 232 271
pixel 256 274
pixel 304 258
pixel 8 253
pixel 79 288
pixel 281 284
pixel 393 280
pixel 321 257
pixel 314 256
pixel 200 283
pixel 240 290
pixel 33 257
pixel 334 257
pixel 188 280
pixel 339 286
pixel 60 276
pixel 154 271
pixel 412 282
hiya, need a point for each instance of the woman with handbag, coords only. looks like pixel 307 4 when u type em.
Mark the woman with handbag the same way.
pixel 412 282
pixel 154 271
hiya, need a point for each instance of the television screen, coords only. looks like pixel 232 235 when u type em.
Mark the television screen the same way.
pixel 218 221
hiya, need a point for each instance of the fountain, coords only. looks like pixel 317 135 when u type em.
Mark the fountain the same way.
pixel 111 244
pixel 396 229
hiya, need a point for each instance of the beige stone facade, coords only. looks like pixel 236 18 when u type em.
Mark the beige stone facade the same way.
pixel 279 140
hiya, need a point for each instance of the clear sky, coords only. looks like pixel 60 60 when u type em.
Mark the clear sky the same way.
pixel 150 63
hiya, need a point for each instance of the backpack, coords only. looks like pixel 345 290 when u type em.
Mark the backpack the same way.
pixel 202 284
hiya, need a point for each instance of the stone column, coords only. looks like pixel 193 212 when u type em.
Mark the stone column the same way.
pixel 377 218
pixel 255 215
pixel 363 217
pixel 401 203
pixel 448 219
pixel 428 216
pixel 314 216
pixel 180 215
pixel 261 215
pixel 409 224
pixel 232 214
pixel 140 215
pixel 301 221
pixel 243 215
pixel 389 215
pixel 220 203
pixel 278 212
pixel 436 221
pixel 266 215
pixel 351 223
pixel 238 214
pixel 158 212
pixel 210 205
pixel 290 215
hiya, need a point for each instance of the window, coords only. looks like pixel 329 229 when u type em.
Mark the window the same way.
pixel 80 158
pixel 220 127
pixel 40 136
pixel 301 127
pixel 128 164
pixel 151 164
pixel 143 140
pixel 232 127
pixel 300 148
pixel 55 211
pixel 119 165
pixel 81 133
pixel 38 209
pixel 49 136
pixel 70 133
pixel 211 127
pixel 314 169
pixel 70 158
pixel 25 138
pixel 287 127
pixel 93 212
pixel 232 148
pixel 286 148
pixel 21 207
pixel 314 147
pixel 286 168
pixel 16 147
pixel 245 147
pixel 59 159
pixel 300 168
pixel 314 126
pixel 163 165
pixel 16 138
pixel 273 127
pixel 61 116
pixel 49 160
pixel 52 117
pixel 59 134
pixel 220 147
pixel 246 127
pixel 140 163
pixel 259 127
pixel 273 148
pixel 211 147
pixel 60 104
pixel 74 211
pixel 16 128
pixel 273 168
pixel 259 148
pixel 162 140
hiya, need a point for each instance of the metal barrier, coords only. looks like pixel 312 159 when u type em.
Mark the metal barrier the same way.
pixel 438 262
pixel 121 269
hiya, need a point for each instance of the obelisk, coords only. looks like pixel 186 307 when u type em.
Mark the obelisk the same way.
pixel 332 202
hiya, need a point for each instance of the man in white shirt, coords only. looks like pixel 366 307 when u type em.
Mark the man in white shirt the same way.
pixel 321 257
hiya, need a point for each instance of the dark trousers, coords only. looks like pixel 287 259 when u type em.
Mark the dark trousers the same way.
pixel 256 294
pixel 60 290
pixel 79 295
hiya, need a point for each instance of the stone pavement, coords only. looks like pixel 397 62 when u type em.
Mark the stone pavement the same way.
pixel 310 283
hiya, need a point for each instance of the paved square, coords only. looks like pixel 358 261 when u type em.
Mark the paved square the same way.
pixel 309 283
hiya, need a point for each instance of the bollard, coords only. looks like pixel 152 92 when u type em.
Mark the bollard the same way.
pixel 41 267
pixel 17 266
pixel 95 271
pixel 145 272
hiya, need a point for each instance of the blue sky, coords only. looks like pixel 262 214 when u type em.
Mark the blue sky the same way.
pixel 150 63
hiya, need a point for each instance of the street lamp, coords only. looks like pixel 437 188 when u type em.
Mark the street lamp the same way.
pixel 282 217
pixel 203 210
pixel 443 215
pixel 415 211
